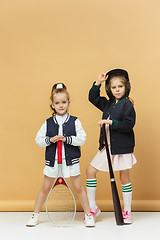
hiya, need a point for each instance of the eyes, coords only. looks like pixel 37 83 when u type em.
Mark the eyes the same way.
pixel 119 86
pixel 56 103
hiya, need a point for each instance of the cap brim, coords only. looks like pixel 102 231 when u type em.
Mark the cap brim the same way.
pixel 118 71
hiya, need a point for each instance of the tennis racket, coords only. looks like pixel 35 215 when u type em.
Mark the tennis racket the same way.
pixel 60 203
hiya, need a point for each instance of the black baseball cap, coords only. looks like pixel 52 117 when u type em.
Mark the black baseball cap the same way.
pixel 118 71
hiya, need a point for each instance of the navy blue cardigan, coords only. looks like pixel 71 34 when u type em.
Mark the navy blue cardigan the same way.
pixel 123 116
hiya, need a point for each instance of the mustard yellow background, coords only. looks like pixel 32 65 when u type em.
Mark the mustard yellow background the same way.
pixel 71 41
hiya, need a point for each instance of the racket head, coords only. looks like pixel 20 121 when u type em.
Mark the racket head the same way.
pixel 60 204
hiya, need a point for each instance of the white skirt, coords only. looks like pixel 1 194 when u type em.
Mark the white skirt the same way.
pixel 68 171
pixel 119 162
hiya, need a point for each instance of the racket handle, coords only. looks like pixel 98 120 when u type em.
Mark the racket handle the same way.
pixel 59 152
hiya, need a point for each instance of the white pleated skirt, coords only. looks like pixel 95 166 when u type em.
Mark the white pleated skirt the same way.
pixel 119 162
pixel 68 171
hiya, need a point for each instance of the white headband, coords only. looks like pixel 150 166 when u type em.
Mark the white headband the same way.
pixel 60 85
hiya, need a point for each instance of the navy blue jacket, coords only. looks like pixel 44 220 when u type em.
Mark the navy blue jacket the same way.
pixel 123 116
pixel 72 153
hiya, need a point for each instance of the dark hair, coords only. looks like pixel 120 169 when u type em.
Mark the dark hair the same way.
pixel 56 89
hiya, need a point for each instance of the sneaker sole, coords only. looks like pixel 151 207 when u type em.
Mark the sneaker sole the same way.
pixel 27 225
pixel 30 225
pixel 127 223
pixel 90 226
pixel 98 213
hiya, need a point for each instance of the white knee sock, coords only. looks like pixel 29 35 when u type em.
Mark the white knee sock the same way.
pixel 127 196
pixel 91 185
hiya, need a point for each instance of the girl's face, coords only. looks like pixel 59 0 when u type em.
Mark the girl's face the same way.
pixel 60 103
pixel 117 88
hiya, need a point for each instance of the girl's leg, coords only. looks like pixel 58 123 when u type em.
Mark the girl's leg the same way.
pixel 124 176
pixel 127 195
pixel 91 172
pixel 46 186
pixel 77 185
pixel 91 184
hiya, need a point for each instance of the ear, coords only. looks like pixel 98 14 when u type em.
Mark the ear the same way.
pixel 52 106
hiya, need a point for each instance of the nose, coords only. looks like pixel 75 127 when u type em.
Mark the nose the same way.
pixel 117 89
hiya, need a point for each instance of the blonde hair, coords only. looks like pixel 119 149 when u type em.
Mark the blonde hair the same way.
pixel 126 84
pixel 55 90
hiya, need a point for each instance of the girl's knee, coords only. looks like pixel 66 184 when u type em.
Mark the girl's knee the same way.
pixel 124 177
pixel 79 189
pixel 47 184
pixel 91 172
pixel 76 183
pixel 88 170
pixel 45 188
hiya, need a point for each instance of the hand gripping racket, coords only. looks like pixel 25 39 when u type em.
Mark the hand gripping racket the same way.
pixel 116 201
pixel 60 203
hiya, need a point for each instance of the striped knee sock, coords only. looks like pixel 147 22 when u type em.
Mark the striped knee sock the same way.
pixel 91 185
pixel 127 196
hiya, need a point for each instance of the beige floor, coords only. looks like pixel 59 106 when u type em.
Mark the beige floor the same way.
pixel 146 225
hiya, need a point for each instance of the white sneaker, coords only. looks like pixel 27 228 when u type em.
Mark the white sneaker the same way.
pixel 89 220
pixel 33 221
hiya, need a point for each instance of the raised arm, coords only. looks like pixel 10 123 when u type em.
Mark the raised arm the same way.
pixel 94 93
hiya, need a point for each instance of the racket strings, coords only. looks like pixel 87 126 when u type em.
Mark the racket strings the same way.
pixel 61 205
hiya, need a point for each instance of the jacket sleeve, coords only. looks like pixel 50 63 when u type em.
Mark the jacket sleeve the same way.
pixel 126 125
pixel 80 137
pixel 41 139
pixel 96 99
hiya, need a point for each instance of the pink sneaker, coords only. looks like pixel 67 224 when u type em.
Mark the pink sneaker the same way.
pixel 95 212
pixel 127 217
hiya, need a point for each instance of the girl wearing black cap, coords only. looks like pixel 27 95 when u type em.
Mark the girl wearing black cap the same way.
pixel 119 117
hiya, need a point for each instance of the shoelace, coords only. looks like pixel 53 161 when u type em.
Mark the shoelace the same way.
pixel 93 211
pixel 89 215
pixel 125 214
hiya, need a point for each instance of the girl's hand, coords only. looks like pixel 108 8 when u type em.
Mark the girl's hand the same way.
pixel 57 138
pixel 102 77
pixel 104 121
